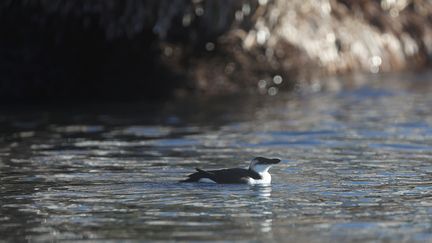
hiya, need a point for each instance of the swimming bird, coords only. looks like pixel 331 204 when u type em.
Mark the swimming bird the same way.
pixel 257 173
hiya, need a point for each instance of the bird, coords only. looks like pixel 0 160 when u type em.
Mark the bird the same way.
pixel 257 173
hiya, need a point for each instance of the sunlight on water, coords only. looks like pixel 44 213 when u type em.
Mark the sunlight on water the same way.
pixel 356 166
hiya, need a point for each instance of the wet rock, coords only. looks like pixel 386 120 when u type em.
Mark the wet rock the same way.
pixel 156 49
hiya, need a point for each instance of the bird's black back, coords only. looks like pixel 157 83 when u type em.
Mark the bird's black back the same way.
pixel 224 176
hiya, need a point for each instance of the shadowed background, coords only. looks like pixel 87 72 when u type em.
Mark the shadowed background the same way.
pixel 153 50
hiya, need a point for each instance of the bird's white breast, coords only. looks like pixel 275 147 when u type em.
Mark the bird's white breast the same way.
pixel 266 179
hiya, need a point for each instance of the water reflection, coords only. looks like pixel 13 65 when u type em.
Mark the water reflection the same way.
pixel 356 167
pixel 265 204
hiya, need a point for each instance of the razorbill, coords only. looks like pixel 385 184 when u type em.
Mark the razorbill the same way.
pixel 257 173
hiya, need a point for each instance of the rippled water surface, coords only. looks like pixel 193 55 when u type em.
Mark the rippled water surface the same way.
pixel 356 165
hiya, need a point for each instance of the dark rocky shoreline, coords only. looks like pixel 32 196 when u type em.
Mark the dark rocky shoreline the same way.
pixel 153 50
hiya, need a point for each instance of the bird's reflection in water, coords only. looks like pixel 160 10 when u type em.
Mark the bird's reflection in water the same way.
pixel 263 193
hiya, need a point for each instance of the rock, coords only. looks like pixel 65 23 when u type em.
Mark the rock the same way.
pixel 151 50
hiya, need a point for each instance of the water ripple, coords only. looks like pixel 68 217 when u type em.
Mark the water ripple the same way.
pixel 356 166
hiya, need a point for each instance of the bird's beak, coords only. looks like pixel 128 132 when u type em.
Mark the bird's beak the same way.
pixel 271 161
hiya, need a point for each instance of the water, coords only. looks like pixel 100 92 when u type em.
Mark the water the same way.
pixel 357 166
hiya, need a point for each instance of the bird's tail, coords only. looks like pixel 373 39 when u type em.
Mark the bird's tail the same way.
pixel 195 177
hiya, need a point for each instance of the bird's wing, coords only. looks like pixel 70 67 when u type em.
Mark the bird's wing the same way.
pixel 235 175
pixel 209 173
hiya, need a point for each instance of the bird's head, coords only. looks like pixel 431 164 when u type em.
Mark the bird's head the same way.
pixel 262 165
